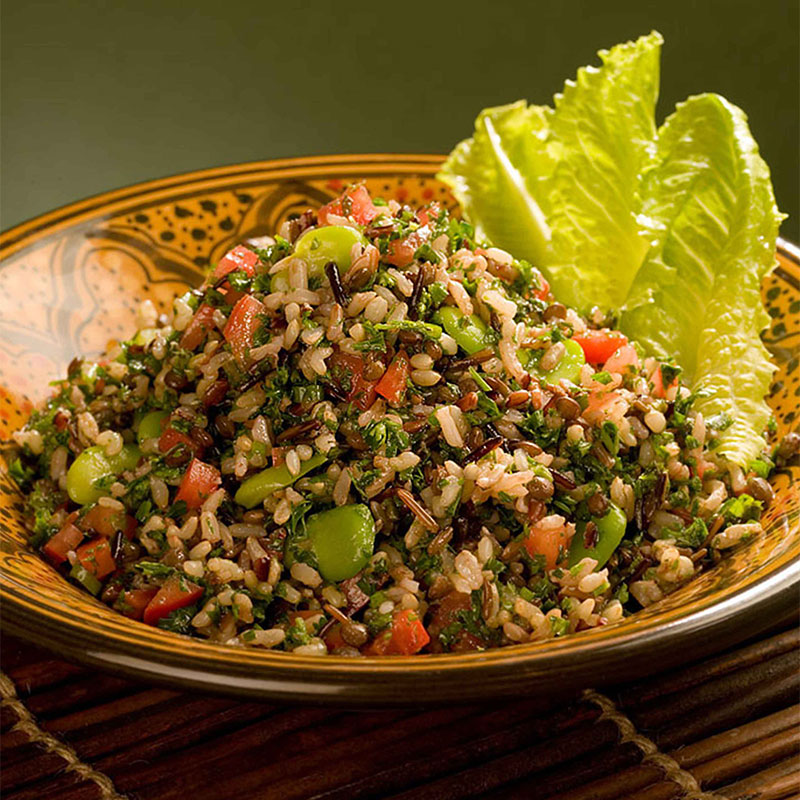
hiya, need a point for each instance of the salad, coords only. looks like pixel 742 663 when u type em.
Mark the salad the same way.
pixel 389 430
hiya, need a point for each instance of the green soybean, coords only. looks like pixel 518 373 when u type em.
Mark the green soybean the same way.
pixel 471 333
pixel 257 488
pixel 569 368
pixel 610 532
pixel 342 540
pixel 318 246
pixel 85 578
pixel 150 426
pixel 127 458
pixel 93 465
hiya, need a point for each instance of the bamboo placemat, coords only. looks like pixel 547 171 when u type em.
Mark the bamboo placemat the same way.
pixel 728 727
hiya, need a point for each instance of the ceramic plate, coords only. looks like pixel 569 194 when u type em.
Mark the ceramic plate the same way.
pixel 71 280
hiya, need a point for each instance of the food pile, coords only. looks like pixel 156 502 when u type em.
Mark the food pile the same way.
pixel 376 434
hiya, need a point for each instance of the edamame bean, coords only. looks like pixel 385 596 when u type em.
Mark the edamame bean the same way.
pixel 318 246
pixel 610 532
pixel 257 488
pixel 93 465
pixel 569 368
pixel 471 333
pixel 150 426
pixel 342 540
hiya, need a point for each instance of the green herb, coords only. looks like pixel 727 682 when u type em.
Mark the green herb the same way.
pixel 388 434
pixel 20 473
pixel 602 377
pixel 378 622
pixel 263 333
pixel 719 422
pixel 609 437
pixel 622 593
pixel 239 280
pixel 296 634
pixel 741 509
pixel 312 393
pixel 479 380
pixel 262 283
pixel 179 620
pixel 762 467
pixel 669 372
pixel 558 625
pixel 273 253
pixel 426 253
pixel 693 535
pixel 155 569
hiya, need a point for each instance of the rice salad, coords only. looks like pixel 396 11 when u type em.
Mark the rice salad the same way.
pixel 375 435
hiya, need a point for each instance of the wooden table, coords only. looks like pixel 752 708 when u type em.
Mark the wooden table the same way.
pixel 728 727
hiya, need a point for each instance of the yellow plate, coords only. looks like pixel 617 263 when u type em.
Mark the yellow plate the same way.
pixel 70 281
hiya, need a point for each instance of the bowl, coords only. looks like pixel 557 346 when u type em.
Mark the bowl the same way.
pixel 70 281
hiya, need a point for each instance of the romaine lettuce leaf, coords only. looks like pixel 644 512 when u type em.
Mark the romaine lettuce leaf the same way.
pixel 709 211
pixel 602 134
pixel 494 176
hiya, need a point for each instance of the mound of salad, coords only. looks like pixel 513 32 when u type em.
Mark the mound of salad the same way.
pixel 389 430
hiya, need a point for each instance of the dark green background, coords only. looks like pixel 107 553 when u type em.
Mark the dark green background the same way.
pixel 97 95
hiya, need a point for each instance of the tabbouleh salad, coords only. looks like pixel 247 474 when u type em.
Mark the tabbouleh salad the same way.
pixel 376 434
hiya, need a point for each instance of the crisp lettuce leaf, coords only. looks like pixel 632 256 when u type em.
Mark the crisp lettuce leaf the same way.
pixel 674 228
pixel 560 187
pixel 494 176
pixel 602 134
pixel 709 211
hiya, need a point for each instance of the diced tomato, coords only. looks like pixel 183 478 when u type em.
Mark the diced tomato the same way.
pixel 624 358
pixel 171 437
pixel 199 481
pixel 202 322
pixel 68 538
pixel 657 380
pixel 392 384
pixel 239 258
pixel 549 543
pixel 278 455
pixel 401 251
pixel 244 321
pixel 176 593
pixel 107 521
pixel 544 287
pixel 355 203
pixel 95 557
pixel 347 374
pixel 405 636
pixel 599 346
pixel 431 213
pixel 601 404
pixel 444 613
pixel 133 602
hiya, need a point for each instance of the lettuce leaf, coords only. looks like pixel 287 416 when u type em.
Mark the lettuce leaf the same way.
pixel 560 187
pixel 709 211
pixel 505 159
pixel 674 228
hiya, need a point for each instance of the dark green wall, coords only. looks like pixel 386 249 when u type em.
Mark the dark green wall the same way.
pixel 97 95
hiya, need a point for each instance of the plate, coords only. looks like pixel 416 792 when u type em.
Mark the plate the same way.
pixel 70 281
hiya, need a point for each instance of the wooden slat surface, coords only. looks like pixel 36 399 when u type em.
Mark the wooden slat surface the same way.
pixel 728 727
